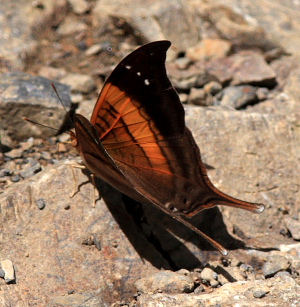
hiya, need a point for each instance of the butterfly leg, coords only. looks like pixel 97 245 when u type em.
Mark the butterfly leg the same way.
pixel 75 187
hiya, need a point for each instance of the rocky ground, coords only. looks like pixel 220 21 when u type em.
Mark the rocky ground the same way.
pixel 235 65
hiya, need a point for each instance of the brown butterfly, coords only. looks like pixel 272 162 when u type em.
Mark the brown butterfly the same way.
pixel 137 141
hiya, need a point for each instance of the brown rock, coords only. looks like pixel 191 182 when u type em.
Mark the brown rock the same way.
pixel 209 49
pixel 57 262
pixel 165 281
pixel 243 68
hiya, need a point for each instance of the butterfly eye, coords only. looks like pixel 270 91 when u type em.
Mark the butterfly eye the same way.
pixel 171 207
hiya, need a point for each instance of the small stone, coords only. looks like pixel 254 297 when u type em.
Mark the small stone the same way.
pixel 15 178
pixel 198 97
pixel 259 294
pixel 67 207
pixel 5 172
pixel 95 49
pixel 15 153
pixel 183 97
pixel 183 63
pixel 52 73
pixel 293 227
pixel 209 49
pixel 30 169
pixel 275 264
pixel 210 276
pixel 212 87
pixel 166 282
pixel 79 6
pixel 45 155
pixel 262 93
pixel 9 272
pixel 238 96
pixel 41 204
pixel 79 82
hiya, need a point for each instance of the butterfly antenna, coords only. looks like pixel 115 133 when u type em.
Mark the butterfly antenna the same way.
pixel 60 100
pixel 38 124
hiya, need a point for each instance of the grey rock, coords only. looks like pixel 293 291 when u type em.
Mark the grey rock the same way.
pixel 274 264
pixel 32 97
pixel 167 282
pixel 238 97
pixel 259 294
pixel 293 227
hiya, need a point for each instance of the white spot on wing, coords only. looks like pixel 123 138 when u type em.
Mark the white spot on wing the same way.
pixel 128 67
pixel 138 73
pixel 147 82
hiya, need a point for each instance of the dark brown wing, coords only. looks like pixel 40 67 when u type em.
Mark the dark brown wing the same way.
pixel 140 121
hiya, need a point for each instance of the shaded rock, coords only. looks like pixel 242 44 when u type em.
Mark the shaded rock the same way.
pixel 194 76
pixel 55 235
pixel 15 153
pixel 212 87
pixel 293 227
pixel 281 290
pixel 152 20
pixel 243 68
pixel 8 269
pixel 79 82
pixel 275 264
pixel 199 97
pixel 208 275
pixel 208 49
pixel 254 157
pixel 32 97
pixel 182 63
pixel 238 97
pixel 167 282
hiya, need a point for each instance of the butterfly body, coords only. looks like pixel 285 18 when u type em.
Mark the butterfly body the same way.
pixel 137 141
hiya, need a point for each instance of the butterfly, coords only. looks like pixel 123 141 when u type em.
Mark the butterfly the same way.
pixel 137 141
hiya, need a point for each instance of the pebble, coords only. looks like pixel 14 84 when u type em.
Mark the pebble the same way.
pixel 238 96
pixel 165 281
pixel 199 97
pixel 183 63
pixel 30 168
pixel 274 264
pixel 41 204
pixel 259 294
pixel 9 272
pixel 79 82
pixel 212 87
pixel 210 276
pixel 15 178
pixel 79 6
pixel 293 227
pixel 95 49
pixel 15 153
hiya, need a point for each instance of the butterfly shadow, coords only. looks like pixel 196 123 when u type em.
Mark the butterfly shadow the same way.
pixel 161 240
